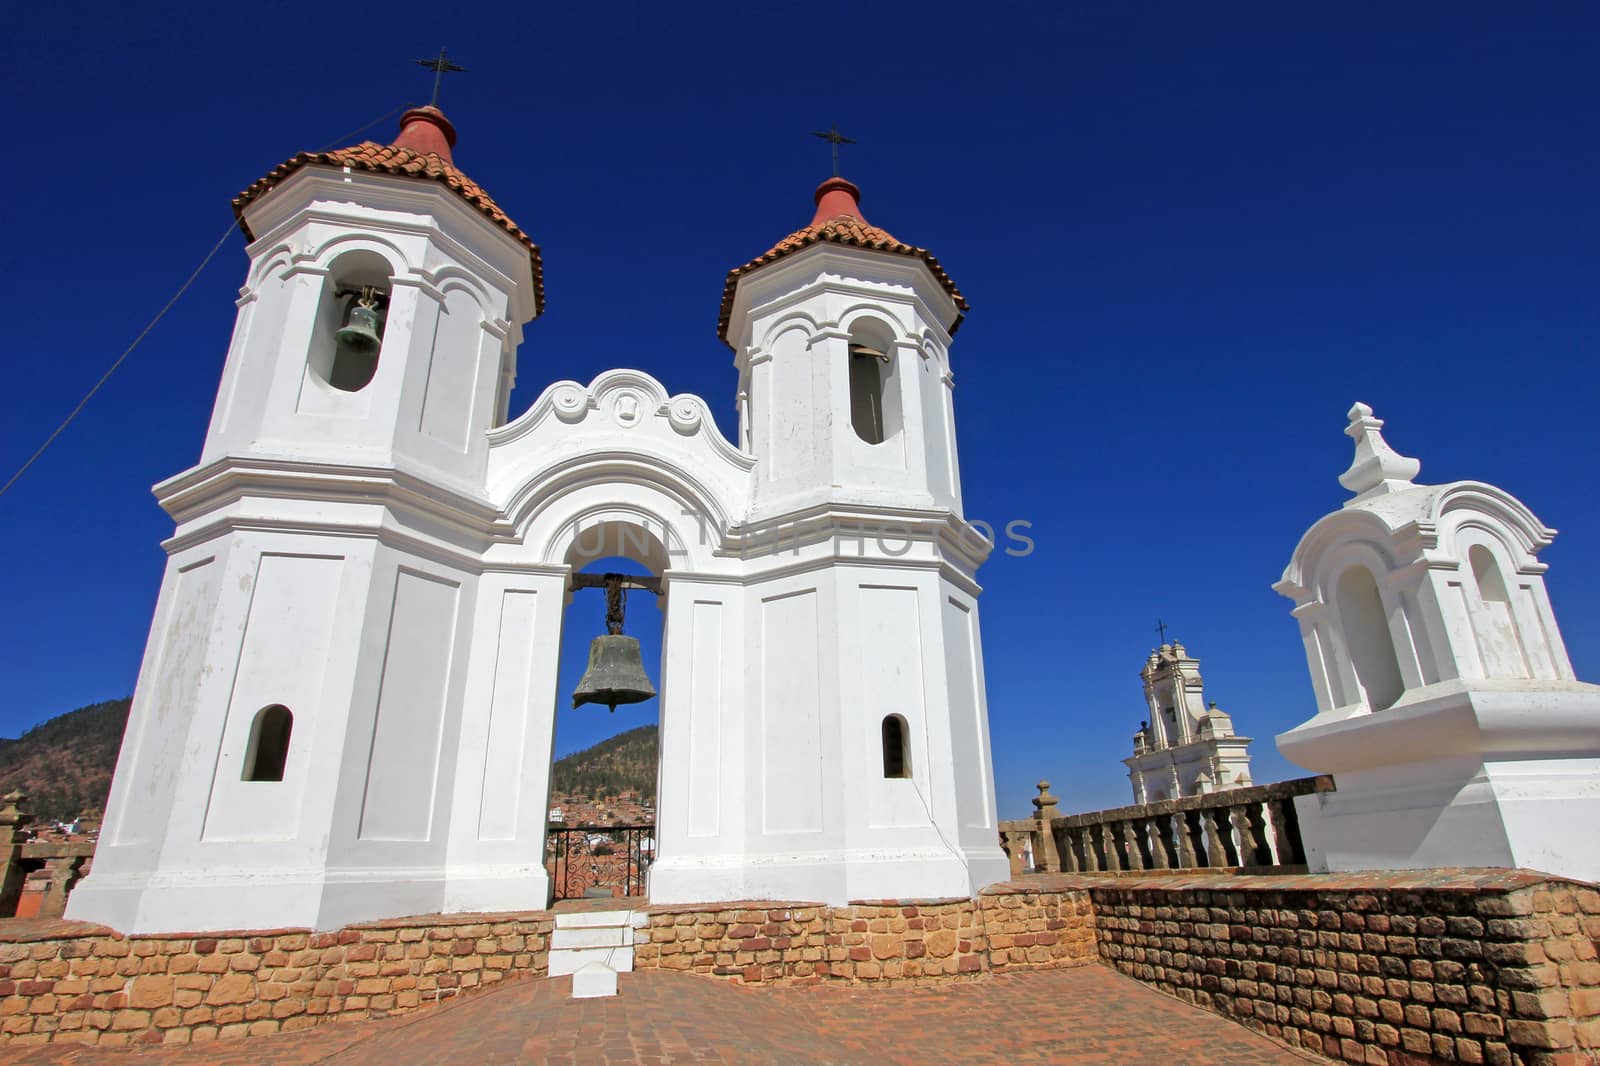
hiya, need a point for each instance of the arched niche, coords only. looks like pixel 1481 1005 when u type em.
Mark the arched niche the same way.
pixel 801 324
pixel 1497 611
pixel 557 509
pixel 1501 644
pixel 612 535
pixel 1364 624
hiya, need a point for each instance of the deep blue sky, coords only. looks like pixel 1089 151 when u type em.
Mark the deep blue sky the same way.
pixel 1191 235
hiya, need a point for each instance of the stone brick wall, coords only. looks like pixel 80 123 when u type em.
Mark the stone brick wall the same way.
pixel 1006 928
pixel 1393 969
pixel 1494 967
pixel 74 981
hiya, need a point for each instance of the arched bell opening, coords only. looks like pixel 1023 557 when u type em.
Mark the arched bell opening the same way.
pixel 352 317
pixel 601 839
pixel 874 388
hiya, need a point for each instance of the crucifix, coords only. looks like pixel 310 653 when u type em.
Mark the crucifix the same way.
pixel 1161 627
pixel 835 138
pixel 440 65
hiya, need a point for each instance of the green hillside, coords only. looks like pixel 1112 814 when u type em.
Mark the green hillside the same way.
pixel 625 762
pixel 65 764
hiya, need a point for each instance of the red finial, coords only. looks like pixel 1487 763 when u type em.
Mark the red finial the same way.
pixel 426 130
pixel 836 197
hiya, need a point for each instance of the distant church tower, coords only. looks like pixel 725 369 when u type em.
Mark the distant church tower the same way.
pixel 347 704
pixel 1185 748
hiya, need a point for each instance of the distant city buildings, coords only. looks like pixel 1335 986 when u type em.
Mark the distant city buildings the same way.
pixel 585 858
pixel 625 808
pixel 1185 748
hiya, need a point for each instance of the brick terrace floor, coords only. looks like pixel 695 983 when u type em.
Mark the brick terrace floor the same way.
pixel 1087 1016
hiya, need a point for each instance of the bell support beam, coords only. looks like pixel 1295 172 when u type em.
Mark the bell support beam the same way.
pixel 628 581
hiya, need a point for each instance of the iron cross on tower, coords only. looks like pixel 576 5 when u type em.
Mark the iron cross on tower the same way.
pixel 1161 627
pixel 835 138
pixel 440 65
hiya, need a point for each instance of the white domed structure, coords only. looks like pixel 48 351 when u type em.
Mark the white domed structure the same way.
pixel 1447 709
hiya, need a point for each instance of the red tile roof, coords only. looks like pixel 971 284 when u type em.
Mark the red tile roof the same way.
pixel 838 220
pixel 421 150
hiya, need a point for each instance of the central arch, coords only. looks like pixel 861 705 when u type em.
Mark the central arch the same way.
pixel 588 513
pixel 616 791
pixel 588 475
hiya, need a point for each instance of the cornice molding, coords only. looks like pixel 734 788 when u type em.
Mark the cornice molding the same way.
pixel 471 520
pixel 460 558
pixel 827 521
pixel 833 269
pixel 322 195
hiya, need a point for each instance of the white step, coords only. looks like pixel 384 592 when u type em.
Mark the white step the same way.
pixel 592 919
pixel 570 960
pixel 609 936
pixel 593 981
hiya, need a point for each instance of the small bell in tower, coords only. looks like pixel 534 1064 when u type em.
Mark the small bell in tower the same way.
pixel 362 331
pixel 616 667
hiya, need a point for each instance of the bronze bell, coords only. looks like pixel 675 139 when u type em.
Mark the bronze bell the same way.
pixel 616 668
pixel 361 332
pixel 615 674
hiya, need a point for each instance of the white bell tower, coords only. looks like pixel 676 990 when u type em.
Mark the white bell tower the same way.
pixel 866 766
pixel 454 280
pixel 842 337
pixel 289 758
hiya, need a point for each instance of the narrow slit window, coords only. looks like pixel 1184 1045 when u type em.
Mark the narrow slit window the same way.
pixel 269 744
pixel 895 760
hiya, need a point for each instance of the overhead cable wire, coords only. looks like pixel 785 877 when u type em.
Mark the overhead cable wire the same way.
pixel 112 369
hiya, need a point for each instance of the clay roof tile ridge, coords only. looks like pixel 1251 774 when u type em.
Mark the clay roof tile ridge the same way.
pixel 403 161
pixel 842 227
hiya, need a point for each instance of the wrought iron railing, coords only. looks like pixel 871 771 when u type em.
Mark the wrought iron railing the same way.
pixel 598 860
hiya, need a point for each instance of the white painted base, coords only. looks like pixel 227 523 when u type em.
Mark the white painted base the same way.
pixel 833 878
pixel 168 905
pixel 594 981
pixel 1537 815
pixel 320 900
pixel 521 889
pixel 600 920
pixel 1482 776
